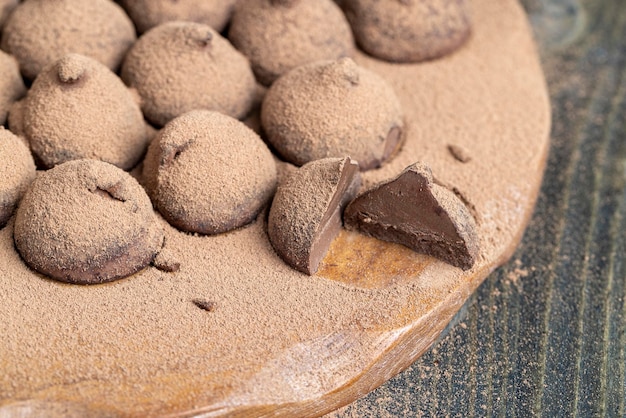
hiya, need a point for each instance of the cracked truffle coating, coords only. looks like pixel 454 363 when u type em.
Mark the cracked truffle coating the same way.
pixel 278 35
pixel 77 108
pixel 182 66
pixel 408 30
pixel 41 31
pixel 17 171
pixel 11 84
pixel 87 222
pixel 208 173
pixel 333 109
pixel 149 13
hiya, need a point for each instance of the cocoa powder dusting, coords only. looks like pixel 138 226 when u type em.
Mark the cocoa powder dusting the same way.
pixel 140 343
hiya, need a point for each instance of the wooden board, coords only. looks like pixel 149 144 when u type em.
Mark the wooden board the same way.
pixel 369 313
pixel 545 335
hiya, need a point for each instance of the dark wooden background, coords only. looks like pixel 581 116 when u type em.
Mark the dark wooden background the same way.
pixel 545 334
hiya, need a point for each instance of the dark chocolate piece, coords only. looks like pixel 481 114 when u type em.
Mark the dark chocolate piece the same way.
pixel 414 211
pixel 306 212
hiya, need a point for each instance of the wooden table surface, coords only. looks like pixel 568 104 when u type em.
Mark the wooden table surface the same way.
pixel 546 333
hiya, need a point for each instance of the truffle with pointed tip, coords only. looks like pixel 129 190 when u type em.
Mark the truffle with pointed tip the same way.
pixel 17 171
pixel 77 108
pixel 87 222
pixel 11 84
pixel 306 211
pixel 182 66
pixel 278 35
pixel 413 211
pixel 333 109
pixel 409 30
pixel 147 14
pixel 208 173
pixel 39 32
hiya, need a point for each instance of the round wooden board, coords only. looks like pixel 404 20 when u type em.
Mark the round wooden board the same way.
pixel 280 343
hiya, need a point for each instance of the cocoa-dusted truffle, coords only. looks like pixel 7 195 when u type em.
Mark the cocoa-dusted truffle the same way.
pixel 412 210
pixel 41 31
pixel 278 35
pixel 11 84
pixel 208 173
pixel 6 7
pixel 306 212
pixel 87 221
pixel 17 170
pixel 181 66
pixel 408 30
pixel 333 109
pixel 149 13
pixel 77 108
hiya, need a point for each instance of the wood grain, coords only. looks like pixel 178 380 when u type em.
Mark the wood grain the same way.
pixel 546 333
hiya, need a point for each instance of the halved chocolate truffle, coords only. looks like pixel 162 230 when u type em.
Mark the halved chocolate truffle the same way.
pixel 333 109
pixel 413 211
pixel 306 211
pixel 11 84
pixel 149 13
pixel 182 66
pixel 208 173
pixel 77 108
pixel 408 30
pixel 278 35
pixel 17 171
pixel 86 222
pixel 41 31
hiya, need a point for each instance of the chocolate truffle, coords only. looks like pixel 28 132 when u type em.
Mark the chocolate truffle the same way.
pixel 208 173
pixel 149 13
pixel 278 35
pixel 6 7
pixel 41 31
pixel 17 170
pixel 181 66
pixel 77 108
pixel 87 221
pixel 11 85
pixel 408 30
pixel 333 109
pixel 413 211
pixel 306 212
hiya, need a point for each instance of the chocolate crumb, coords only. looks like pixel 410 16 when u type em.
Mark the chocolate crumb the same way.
pixel 205 305
pixel 460 153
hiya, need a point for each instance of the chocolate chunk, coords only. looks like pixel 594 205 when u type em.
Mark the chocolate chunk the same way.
pixel 413 211
pixel 306 212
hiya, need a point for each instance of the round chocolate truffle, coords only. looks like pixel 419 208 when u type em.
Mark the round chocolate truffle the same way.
pixel 208 173
pixel 278 35
pixel 149 13
pixel 17 171
pixel 77 108
pixel 306 212
pixel 408 30
pixel 6 7
pixel 182 66
pixel 11 84
pixel 333 109
pixel 87 221
pixel 41 31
